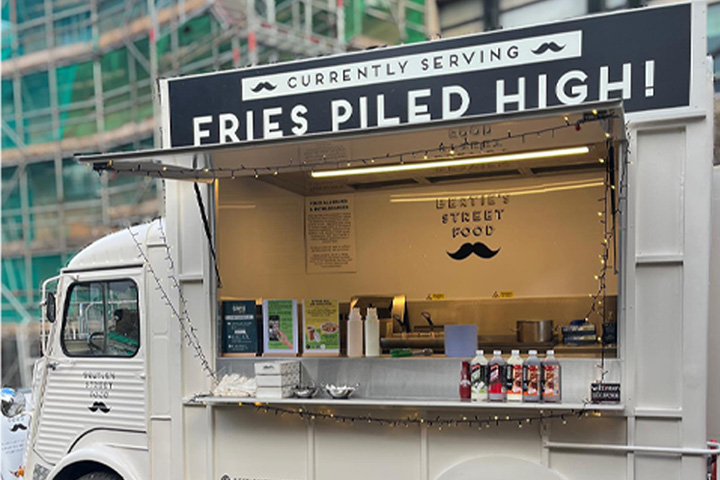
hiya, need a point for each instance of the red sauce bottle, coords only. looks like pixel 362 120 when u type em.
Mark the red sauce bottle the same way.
pixel 465 381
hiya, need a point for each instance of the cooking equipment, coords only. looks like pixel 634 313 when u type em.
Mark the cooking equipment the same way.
pixel 580 332
pixel 534 331
pixel 430 327
pixel 391 309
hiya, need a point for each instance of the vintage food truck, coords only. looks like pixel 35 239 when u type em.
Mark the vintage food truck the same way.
pixel 559 172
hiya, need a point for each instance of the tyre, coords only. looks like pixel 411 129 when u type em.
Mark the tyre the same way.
pixel 100 476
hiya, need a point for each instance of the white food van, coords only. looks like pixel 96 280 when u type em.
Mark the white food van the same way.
pixel 561 171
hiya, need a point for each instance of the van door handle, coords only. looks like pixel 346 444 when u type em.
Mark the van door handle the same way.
pixel 53 365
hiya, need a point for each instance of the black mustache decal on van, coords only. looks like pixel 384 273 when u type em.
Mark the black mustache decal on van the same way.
pixel 263 86
pixel 18 426
pixel 99 406
pixel 547 46
pixel 478 248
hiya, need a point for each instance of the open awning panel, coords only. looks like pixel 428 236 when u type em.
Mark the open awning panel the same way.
pixel 591 126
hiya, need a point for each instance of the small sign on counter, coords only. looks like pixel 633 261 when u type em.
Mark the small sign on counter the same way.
pixel 605 393
pixel 321 327
pixel 240 328
pixel 280 324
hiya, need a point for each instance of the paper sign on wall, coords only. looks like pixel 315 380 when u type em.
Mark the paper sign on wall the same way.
pixel 330 234
pixel 280 321
pixel 321 327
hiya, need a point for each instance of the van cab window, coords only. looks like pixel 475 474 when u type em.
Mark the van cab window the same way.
pixel 101 320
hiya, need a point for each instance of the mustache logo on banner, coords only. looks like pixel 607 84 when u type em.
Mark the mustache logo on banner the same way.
pixel 477 248
pixel 263 86
pixel 547 46
pixel 18 426
pixel 99 406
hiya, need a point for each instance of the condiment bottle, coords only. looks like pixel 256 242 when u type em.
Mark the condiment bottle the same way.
pixel 514 377
pixel 479 377
pixel 465 381
pixel 355 334
pixel 532 376
pixel 372 333
pixel 496 383
pixel 551 378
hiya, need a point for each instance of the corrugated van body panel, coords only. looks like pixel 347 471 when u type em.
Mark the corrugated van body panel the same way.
pixel 85 394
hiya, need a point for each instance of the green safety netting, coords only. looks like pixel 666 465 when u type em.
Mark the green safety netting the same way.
pixel 125 100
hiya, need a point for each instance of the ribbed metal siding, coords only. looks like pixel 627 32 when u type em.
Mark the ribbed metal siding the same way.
pixel 65 414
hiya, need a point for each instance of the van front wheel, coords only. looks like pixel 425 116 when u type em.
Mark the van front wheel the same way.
pixel 100 476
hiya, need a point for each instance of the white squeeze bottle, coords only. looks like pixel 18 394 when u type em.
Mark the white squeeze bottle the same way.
pixel 479 377
pixel 372 333
pixel 551 378
pixel 355 334
pixel 514 375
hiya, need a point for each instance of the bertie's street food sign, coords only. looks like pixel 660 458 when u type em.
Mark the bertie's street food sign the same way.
pixel 640 56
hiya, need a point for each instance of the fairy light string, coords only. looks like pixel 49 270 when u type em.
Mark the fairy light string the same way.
pixel 444 150
pixel 607 215
pixel 440 422
pixel 188 331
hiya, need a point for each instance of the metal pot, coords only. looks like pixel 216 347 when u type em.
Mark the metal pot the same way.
pixel 534 331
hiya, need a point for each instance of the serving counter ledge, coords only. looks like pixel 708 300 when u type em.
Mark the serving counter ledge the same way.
pixel 205 400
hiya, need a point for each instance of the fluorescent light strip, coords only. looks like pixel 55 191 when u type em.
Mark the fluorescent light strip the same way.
pixel 510 157
pixel 514 193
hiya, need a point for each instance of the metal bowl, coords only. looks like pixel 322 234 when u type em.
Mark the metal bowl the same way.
pixel 305 391
pixel 341 391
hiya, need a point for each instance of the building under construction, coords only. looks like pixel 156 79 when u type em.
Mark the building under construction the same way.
pixel 79 76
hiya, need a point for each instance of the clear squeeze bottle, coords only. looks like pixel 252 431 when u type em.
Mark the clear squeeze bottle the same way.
pixel 514 377
pixel 496 383
pixel 355 334
pixel 479 377
pixel 532 376
pixel 372 333
pixel 551 378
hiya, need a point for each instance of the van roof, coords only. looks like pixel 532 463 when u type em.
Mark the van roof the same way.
pixel 119 249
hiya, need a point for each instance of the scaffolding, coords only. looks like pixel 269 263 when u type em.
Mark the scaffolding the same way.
pixel 79 76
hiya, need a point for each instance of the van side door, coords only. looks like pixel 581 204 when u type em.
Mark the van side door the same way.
pixel 96 376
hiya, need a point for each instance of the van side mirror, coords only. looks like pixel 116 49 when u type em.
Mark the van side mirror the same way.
pixel 50 307
pixel 13 403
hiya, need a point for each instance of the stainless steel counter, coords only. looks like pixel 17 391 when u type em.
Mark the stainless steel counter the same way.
pixel 495 342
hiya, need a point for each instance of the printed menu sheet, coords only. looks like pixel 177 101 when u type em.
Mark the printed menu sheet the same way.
pixel 321 327
pixel 280 322
pixel 239 329
pixel 330 234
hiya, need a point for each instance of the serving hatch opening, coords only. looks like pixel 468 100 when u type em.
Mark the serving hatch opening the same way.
pixel 525 235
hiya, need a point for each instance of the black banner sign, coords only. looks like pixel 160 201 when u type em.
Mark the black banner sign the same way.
pixel 641 56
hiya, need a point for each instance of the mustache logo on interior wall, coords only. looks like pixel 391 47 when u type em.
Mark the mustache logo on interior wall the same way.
pixel 478 248
pixel 18 426
pixel 547 46
pixel 99 406
pixel 263 86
